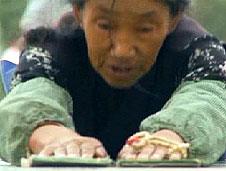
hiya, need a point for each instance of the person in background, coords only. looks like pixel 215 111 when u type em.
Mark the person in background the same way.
pixel 43 13
pixel 133 71
pixel 51 14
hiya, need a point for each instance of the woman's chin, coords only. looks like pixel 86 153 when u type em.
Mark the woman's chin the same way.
pixel 119 80
pixel 120 84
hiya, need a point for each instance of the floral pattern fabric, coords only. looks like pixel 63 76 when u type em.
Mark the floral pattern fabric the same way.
pixel 207 61
pixel 35 62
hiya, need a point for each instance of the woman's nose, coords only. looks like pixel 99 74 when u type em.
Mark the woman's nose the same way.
pixel 123 47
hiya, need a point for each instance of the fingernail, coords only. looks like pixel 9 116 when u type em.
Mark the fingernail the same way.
pixel 174 157
pixel 143 157
pixel 129 157
pixel 156 157
pixel 72 155
pixel 42 155
pixel 60 155
pixel 86 156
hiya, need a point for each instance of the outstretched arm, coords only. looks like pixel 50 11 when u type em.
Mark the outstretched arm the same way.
pixel 36 115
pixel 196 113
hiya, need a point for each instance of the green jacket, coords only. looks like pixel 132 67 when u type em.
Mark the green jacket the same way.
pixel 39 99
pixel 26 106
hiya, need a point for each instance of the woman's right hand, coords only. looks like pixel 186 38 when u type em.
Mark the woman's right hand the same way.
pixel 55 140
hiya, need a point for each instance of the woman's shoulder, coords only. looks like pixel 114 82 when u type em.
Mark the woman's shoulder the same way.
pixel 206 42
pixel 59 44
pixel 186 30
pixel 207 59
pixel 54 39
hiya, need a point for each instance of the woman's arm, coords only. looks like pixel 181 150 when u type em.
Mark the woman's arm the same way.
pixel 27 106
pixel 197 110
pixel 36 115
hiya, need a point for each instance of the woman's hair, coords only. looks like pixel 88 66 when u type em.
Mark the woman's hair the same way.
pixel 175 6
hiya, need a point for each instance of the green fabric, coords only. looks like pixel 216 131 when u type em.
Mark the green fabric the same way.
pixel 197 112
pixel 24 108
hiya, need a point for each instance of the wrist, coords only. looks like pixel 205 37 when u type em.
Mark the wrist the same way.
pixel 46 123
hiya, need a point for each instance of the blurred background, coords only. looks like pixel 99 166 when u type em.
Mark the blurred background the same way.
pixel 10 14
pixel 210 13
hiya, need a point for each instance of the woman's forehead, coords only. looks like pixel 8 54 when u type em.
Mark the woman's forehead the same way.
pixel 131 6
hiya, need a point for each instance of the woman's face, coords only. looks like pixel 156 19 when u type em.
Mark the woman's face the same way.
pixel 124 38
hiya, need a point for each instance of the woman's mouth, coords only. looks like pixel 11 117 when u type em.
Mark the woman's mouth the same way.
pixel 121 72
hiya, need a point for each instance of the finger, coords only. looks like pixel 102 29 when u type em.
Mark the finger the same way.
pixel 127 152
pixel 130 156
pixel 87 150
pixel 48 150
pixel 60 151
pixel 126 149
pixel 175 156
pixel 73 150
pixel 100 152
pixel 159 153
pixel 146 152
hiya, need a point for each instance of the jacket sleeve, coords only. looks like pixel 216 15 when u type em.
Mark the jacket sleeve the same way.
pixel 24 108
pixel 36 96
pixel 197 109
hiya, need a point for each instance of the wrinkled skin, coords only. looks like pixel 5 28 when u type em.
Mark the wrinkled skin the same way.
pixel 123 43
pixel 54 140
pixel 151 152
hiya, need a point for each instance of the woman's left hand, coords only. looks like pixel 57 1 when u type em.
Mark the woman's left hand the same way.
pixel 150 151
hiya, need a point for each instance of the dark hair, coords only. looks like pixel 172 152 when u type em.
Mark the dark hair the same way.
pixel 175 6
pixel 80 3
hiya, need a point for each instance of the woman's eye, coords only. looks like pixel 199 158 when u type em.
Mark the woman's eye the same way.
pixel 104 25
pixel 145 29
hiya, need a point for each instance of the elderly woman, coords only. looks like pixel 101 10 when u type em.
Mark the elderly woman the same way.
pixel 133 67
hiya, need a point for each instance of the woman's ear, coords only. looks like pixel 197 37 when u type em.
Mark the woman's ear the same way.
pixel 78 14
